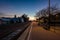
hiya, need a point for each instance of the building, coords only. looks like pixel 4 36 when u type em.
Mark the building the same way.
pixel 5 20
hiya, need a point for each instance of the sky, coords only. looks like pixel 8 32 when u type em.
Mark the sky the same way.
pixel 19 7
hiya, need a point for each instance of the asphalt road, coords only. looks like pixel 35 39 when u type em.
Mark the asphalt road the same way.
pixel 38 33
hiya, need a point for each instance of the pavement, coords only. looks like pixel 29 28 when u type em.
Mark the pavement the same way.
pixel 24 35
pixel 38 33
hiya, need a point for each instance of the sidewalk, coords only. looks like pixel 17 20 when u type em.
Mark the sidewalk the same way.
pixel 38 33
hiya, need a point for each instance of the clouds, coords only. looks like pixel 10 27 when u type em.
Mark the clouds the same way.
pixel 5 15
pixel 2 14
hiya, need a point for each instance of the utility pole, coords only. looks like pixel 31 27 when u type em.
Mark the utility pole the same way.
pixel 49 14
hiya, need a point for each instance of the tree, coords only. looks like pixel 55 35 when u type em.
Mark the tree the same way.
pixel 24 16
pixel 44 12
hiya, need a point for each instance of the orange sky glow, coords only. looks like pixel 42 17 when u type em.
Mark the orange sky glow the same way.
pixel 32 18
